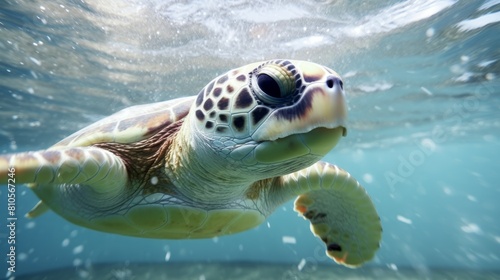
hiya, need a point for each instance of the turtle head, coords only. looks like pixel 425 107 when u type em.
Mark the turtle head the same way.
pixel 271 113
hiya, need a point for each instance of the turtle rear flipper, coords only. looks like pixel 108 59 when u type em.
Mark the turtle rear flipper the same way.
pixel 37 210
pixel 97 168
pixel 340 211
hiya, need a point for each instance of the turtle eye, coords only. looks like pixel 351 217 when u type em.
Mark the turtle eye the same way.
pixel 274 84
pixel 268 85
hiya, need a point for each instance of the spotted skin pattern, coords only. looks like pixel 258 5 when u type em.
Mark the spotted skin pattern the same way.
pixel 213 164
pixel 227 107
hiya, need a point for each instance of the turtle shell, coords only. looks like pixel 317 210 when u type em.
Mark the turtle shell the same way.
pixel 131 124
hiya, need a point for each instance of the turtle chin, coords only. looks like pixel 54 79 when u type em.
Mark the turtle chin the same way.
pixel 317 142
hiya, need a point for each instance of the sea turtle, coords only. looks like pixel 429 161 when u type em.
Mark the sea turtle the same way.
pixel 212 164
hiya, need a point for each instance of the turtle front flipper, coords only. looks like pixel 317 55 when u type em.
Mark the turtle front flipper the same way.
pixel 80 165
pixel 339 209
pixel 96 168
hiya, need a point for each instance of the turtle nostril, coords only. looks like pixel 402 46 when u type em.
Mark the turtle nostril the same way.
pixel 331 81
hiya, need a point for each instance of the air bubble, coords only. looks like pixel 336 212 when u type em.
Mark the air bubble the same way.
pixel 289 240
pixel 368 178
pixel 65 242
pixel 167 256
pixel 428 92
pixel 392 266
pixel 22 256
pixel 430 32
pixel 30 225
pixel 471 198
pixel 404 219
pixel 36 61
pixel 78 249
pixel 301 265
pixel 471 228
pixel 154 180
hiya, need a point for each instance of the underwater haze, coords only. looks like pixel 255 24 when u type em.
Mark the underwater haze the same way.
pixel 423 86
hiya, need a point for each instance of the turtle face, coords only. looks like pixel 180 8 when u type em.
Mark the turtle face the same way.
pixel 272 111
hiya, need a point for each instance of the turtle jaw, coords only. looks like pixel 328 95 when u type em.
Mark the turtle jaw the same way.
pixel 317 142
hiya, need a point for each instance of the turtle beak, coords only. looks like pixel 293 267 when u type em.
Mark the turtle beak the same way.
pixel 337 101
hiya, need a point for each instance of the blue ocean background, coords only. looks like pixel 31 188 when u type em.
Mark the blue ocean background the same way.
pixel 422 78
